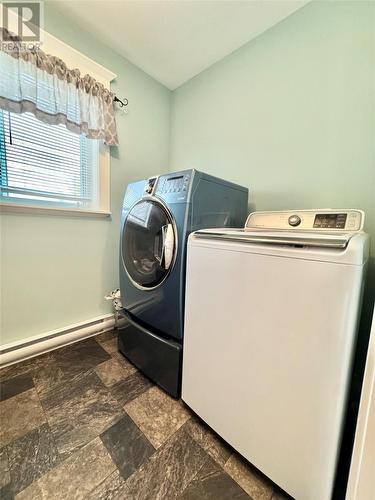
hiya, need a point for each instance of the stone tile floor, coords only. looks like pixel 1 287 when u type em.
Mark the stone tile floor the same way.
pixel 82 422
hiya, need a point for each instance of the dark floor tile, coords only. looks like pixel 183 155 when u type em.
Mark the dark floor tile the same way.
pixel 112 488
pixel 86 351
pixel 29 366
pixel 20 415
pixel 127 445
pixel 67 363
pixel 6 493
pixel 74 478
pixel 16 385
pixel 31 456
pixel 130 388
pixel 169 470
pixel 212 483
pixel 80 411
pixel 103 337
pixel 4 468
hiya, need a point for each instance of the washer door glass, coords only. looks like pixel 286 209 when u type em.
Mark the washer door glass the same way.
pixel 148 243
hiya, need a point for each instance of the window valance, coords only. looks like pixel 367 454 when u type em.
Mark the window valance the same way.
pixel 40 83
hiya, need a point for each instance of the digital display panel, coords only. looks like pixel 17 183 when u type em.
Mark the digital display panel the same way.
pixel 175 178
pixel 333 221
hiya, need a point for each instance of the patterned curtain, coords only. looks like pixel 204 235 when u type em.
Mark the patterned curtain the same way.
pixel 32 81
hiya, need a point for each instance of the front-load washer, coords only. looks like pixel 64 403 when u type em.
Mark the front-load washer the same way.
pixel 158 215
pixel 270 329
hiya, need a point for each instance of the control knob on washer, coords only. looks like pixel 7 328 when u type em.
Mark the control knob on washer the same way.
pixel 294 220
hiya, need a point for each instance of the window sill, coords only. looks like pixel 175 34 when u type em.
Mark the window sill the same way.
pixel 38 209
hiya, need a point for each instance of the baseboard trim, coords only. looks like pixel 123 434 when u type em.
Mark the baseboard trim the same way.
pixel 39 344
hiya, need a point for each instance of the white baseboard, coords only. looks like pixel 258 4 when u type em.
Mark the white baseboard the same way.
pixel 39 344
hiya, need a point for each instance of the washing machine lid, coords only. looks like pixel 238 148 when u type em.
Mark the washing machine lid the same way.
pixel 325 235
pixel 278 237
pixel 325 228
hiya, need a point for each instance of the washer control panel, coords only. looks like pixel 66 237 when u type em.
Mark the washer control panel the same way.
pixel 174 187
pixel 176 184
pixel 334 221
pixel 308 220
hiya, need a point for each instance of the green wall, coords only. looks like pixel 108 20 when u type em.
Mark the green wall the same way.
pixel 56 270
pixel 291 115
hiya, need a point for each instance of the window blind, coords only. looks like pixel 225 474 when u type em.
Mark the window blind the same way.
pixel 46 163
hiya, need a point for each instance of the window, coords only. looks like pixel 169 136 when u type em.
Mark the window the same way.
pixel 47 165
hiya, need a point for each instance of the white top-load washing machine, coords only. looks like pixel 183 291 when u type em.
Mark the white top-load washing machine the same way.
pixel 270 328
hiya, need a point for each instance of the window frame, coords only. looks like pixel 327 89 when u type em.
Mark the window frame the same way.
pixel 75 59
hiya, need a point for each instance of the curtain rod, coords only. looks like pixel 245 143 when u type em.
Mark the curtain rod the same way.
pixel 122 103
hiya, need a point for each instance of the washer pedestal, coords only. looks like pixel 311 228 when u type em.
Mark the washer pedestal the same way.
pixel 158 358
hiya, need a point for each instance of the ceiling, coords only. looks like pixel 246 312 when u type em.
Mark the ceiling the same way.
pixel 174 40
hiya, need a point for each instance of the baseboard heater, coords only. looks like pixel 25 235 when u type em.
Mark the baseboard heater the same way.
pixel 39 344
